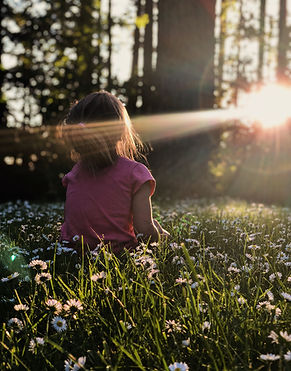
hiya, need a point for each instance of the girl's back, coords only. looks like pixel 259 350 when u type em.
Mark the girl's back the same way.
pixel 100 207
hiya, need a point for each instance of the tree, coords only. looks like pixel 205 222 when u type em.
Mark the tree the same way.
pixel 185 64
pixel 282 42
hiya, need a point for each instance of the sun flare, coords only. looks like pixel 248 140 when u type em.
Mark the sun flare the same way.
pixel 269 107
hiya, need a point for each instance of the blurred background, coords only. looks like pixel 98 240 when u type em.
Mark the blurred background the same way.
pixel 205 82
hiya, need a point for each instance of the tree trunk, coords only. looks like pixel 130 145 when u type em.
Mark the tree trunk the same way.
pixel 147 58
pixel 185 65
pixel 110 24
pixel 261 40
pixel 283 42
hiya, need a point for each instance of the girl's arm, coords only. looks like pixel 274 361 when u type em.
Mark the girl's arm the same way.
pixel 142 214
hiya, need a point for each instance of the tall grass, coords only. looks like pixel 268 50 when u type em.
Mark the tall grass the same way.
pixel 216 295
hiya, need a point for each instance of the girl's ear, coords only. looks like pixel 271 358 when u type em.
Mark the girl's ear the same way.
pixel 75 156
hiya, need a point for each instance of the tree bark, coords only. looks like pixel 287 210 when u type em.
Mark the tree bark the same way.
pixel 283 42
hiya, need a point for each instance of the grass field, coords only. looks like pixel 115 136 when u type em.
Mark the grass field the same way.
pixel 215 296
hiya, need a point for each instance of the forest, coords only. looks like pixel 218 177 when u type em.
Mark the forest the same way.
pixel 201 56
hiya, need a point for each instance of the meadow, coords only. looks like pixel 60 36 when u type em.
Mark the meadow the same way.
pixel 214 296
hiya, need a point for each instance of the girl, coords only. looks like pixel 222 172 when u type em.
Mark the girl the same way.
pixel 108 197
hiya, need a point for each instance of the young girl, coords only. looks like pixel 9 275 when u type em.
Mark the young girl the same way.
pixel 108 197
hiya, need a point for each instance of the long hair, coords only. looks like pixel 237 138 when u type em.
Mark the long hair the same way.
pixel 99 129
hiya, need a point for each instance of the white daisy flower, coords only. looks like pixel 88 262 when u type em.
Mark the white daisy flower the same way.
pixel 269 357
pixel 73 305
pixel 287 356
pixel 241 300
pixel 20 307
pixel 10 277
pixel 286 296
pixel 173 326
pixel 274 337
pixel 16 324
pixel 38 264
pixel 54 304
pixel 206 325
pixel 177 366
pixel 76 238
pixel 186 343
pixel 98 276
pixel 285 336
pixel 270 295
pixel 33 343
pixel 70 365
pixel 59 324
pixel 41 278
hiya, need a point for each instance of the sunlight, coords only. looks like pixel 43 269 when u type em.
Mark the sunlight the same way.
pixel 269 106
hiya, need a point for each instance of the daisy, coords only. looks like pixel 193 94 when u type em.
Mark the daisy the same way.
pixel 173 326
pixel 286 296
pixel 287 356
pixel 76 238
pixel 186 343
pixel 206 325
pixel 177 366
pixel 70 365
pixel 41 278
pixel 16 324
pixel 73 306
pixel 241 300
pixel 20 307
pixel 59 324
pixel 98 276
pixel 38 264
pixel 33 343
pixel 54 305
pixel 274 337
pixel 269 357
pixel 10 277
pixel 285 336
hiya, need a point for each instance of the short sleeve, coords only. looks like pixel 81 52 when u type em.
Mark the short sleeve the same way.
pixel 65 180
pixel 140 175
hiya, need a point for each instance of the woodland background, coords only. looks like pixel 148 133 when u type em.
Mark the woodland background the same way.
pixel 187 55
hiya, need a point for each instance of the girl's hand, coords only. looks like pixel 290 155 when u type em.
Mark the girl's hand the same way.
pixel 160 229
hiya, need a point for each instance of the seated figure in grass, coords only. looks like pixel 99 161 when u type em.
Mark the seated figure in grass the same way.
pixel 108 195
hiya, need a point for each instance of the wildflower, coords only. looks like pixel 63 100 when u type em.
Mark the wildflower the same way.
pixel 99 276
pixel 33 343
pixel 38 264
pixel 287 356
pixel 20 307
pixel 286 296
pixel 73 305
pixel 206 325
pixel 54 304
pixel 270 296
pixel 182 281
pixel 177 366
pixel 274 337
pixel 274 275
pixel 269 357
pixel 16 324
pixel 70 365
pixel 10 277
pixel 76 238
pixel 173 326
pixel 194 285
pixel 186 343
pixel 233 269
pixel 41 278
pixel 285 336
pixel 152 272
pixel 59 324
pixel 289 279
pixel 241 300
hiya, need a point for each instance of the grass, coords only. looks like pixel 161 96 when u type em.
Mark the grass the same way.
pixel 215 296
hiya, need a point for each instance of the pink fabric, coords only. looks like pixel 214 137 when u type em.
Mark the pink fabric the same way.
pixel 100 207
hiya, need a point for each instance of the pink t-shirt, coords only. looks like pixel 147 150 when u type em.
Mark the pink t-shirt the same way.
pixel 100 207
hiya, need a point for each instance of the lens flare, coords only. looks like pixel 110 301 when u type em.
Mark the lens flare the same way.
pixel 269 106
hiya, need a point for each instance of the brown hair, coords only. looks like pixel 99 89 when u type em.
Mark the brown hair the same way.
pixel 99 129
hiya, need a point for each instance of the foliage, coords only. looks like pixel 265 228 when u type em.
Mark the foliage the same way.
pixel 216 295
